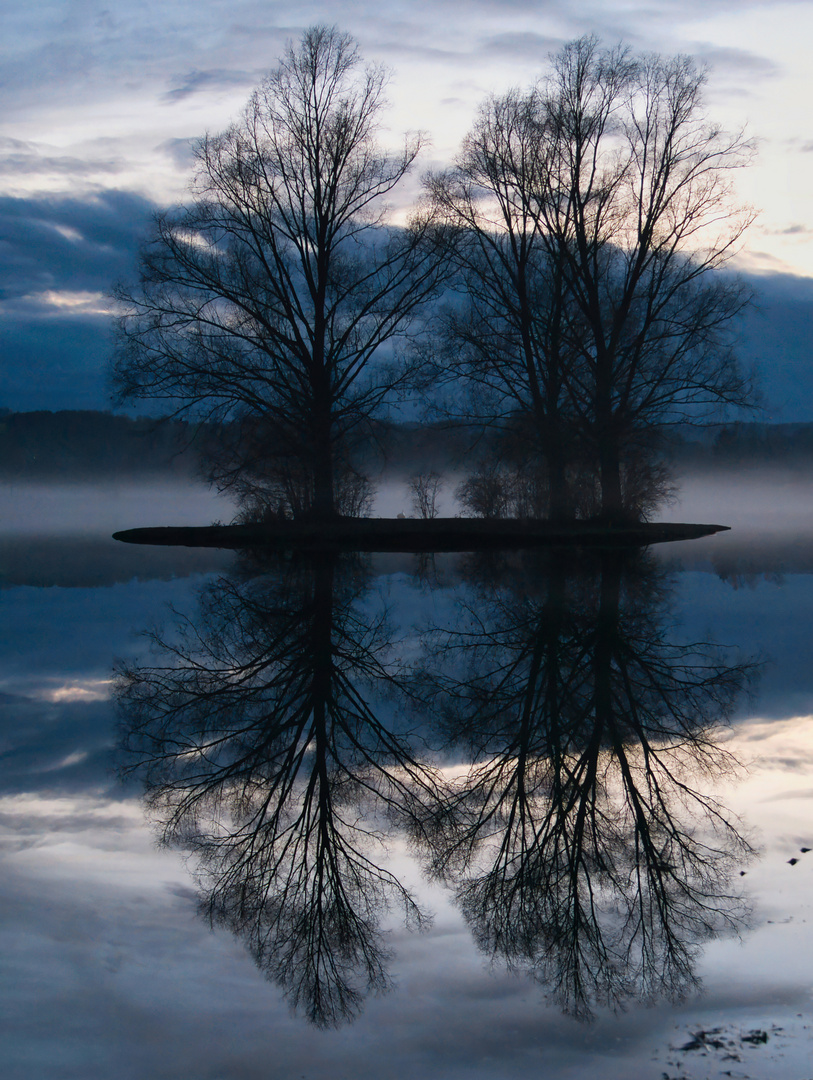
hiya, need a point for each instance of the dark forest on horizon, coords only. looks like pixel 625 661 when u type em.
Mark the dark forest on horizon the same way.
pixel 71 445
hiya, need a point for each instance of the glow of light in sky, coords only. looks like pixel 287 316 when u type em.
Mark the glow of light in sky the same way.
pixel 83 303
pixel 84 690
pixel 777 113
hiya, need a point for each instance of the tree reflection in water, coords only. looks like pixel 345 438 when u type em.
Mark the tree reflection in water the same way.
pixel 262 756
pixel 582 844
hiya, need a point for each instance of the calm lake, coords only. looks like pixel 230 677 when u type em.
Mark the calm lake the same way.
pixel 400 816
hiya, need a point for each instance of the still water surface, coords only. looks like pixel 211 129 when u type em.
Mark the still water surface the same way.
pixel 452 818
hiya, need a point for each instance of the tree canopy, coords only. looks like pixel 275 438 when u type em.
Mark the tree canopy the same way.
pixel 590 216
pixel 268 296
pixel 584 225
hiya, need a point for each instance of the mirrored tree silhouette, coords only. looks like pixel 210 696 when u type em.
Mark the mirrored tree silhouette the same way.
pixel 585 844
pixel 262 755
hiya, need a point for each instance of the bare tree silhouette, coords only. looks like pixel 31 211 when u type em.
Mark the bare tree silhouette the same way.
pixel 268 299
pixel 425 488
pixel 582 846
pixel 506 342
pixel 587 219
pixel 262 756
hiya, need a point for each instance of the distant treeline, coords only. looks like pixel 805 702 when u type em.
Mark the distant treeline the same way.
pixel 725 446
pixel 72 444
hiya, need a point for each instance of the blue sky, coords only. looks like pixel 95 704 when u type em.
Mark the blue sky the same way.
pixel 101 105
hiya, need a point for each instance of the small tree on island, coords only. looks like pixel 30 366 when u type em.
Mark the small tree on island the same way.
pixel 266 301
pixel 425 487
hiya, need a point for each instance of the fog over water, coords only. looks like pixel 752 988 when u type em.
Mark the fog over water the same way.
pixel 93 508
pixel 761 501
pixel 754 501
pixel 766 500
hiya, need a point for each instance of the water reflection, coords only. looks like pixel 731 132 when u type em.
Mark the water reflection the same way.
pixel 583 844
pixel 283 744
pixel 263 756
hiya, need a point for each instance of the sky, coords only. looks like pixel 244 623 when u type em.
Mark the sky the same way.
pixel 102 103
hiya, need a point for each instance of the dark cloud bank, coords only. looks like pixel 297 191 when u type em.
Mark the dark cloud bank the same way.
pixel 55 356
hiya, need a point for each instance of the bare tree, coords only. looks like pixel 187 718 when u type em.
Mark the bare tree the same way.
pixel 585 845
pixel 506 339
pixel 635 200
pixel 592 214
pixel 270 296
pixel 425 488
pixel 488 492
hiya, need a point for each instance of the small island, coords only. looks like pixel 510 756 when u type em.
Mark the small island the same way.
pixel 418 535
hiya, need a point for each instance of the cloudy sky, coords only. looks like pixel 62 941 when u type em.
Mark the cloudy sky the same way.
pixel 101 104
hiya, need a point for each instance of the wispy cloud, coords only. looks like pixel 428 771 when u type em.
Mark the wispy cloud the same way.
pixel 528 46
pixel 737 62
pixel 78 245
pixel 59 257
pixel 18 157
pixel 196 82
pixel 797 229
pixel 181 151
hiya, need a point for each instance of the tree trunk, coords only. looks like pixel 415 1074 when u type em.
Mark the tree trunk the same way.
pixel 612 505
pixel 322 567
pixel 560 507
pixel 606 639
pixel 609 458
pixel 323 505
